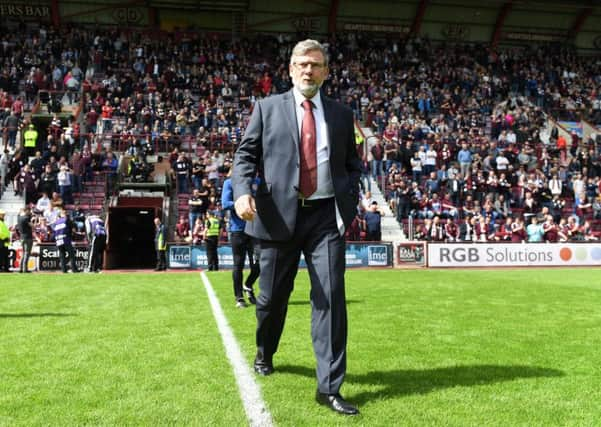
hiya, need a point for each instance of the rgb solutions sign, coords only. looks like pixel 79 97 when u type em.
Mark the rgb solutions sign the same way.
pixel 357 255
pixel 514 255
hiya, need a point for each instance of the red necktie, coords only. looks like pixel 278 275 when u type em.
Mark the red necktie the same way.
pixel 308 155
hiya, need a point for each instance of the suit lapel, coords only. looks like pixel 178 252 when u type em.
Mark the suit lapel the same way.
pixel 290 114
pixel 330 118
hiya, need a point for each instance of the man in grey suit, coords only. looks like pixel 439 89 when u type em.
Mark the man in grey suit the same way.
pixel 302 147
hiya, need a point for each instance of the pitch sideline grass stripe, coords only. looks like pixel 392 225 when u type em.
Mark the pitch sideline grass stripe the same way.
pixel 250 392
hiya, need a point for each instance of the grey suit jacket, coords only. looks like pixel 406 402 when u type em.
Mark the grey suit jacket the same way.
pixel 270 148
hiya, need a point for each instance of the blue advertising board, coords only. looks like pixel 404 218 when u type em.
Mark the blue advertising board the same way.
pixel 357 255
pixel 179 256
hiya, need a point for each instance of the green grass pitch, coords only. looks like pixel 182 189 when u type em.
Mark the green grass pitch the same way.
pixel 426 348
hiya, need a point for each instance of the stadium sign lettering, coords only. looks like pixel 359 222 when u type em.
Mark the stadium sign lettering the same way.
pixel 512 255
pixel 410 253
pixel 534 37
pixel 459 255
pixel 377 255
pixel 518 256
pixel 127 15
pixel 49 258
pixel 356 255
pixel 24 10
pixel 306 24
pixel 377 28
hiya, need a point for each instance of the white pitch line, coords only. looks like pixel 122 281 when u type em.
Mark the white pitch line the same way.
pixel 256 411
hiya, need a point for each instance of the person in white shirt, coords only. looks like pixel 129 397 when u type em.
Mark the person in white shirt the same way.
pixel 511 137
pixel 64 185
pixel 502 162
pixel 366 200
pixel 430 163
pixel 43 204
pixel 555 185
pixel 416 167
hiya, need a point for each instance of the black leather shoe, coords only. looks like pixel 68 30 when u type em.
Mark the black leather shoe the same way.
pixel 336 403
pixel 262 366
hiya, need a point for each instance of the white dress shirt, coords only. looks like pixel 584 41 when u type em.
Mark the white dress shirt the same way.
pixel 325 186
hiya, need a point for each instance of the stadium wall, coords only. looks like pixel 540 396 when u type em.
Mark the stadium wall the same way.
pixel 463 20
pixel 363 254
pixel 513 255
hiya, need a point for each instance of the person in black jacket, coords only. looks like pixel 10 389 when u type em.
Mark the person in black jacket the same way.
pixel 25 227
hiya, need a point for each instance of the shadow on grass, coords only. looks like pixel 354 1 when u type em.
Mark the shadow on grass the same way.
pixel 401 382
pixel 27 315
pixel 308 302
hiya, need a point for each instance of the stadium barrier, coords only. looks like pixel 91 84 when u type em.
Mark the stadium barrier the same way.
pixel 45 257
pixel 513 254
pixel 362 254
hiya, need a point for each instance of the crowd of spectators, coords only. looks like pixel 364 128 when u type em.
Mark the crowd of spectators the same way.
pixel 458 126
pixel 461 135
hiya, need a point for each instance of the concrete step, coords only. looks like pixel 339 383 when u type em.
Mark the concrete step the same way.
pixel 11 206
pixel 391 231
pixel 9 196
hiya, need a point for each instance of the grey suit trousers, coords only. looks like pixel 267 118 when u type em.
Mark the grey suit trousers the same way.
pixel 317 236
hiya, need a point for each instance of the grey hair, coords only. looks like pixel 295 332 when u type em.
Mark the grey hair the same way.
pixel 308 45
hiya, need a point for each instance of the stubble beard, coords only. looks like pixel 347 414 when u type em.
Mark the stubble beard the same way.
pixel 307 90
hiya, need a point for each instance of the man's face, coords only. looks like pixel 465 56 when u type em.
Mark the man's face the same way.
pixel 308 72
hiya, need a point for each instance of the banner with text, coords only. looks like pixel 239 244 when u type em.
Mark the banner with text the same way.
pixel 513 255
pixel 49 258
pixel 357 255
pixel 411 254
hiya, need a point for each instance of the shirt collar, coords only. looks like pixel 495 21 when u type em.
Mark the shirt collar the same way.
pixel 299 98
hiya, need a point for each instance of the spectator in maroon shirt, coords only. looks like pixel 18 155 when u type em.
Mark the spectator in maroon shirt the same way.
pixel 182 229
pixel 78 170
pixel 92 120
pixel 451 231
pixel 377 155
pixel 503 234
pixel 550 229
pixel 437 232
pixel 518 232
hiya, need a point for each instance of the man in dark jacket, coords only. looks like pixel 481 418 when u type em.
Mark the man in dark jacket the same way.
pixel 25 228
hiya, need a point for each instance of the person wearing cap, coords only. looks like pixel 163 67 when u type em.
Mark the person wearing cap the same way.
pixel 373 226
pixel 212 230
pixel 4 242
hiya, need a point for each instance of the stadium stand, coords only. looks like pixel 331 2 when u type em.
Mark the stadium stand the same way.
pixel 463 130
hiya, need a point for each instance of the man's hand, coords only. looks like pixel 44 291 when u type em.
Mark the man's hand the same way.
pixel 245 207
